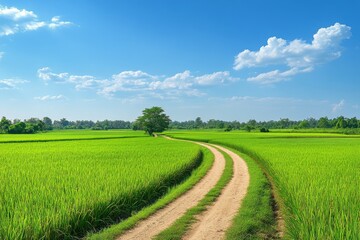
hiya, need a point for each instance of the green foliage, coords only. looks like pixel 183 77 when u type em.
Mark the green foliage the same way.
pixel 264 129
pixel 153 120
pixel 48 124
pixel 229 128
pixel 59 189
pixel 4 125
pixel 31 125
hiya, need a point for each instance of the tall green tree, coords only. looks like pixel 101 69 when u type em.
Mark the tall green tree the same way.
pixel 4 125
pixel 198 122
pixel 153 120
pixel 48 124
pixel 323 123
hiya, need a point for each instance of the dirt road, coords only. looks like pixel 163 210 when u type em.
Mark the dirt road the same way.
pixel 216 219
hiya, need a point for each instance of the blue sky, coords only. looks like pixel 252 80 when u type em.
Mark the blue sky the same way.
pixel 230 60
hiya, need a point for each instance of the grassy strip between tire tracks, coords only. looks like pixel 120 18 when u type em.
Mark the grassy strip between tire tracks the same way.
pixel 256 218
pixel 175 192
pixel 179 228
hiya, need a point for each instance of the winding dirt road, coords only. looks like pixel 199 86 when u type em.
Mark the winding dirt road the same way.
pixel 216 219
pixel 213 223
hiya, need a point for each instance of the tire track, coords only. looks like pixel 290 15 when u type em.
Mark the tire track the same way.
pixel 213 223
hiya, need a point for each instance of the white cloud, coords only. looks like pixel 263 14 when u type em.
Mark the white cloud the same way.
pixel 338 106
pixel 11 83
pixel 22 20
pixel 46 74
pixel 277 76
pixel 80 81
pixel 181 80
pixel 297 55
pixel 183 83
pixel 215 78
pixel 31 26
pixel 6 30
pixel 56 22
pixel 49 97
pixel 16 14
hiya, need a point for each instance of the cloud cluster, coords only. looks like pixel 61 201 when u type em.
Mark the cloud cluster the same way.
pixel 183 83
pixel 11 83
pixel 297 55
pixel 16 20
pixel 50 98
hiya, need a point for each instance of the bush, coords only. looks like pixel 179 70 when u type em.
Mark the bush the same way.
pixel 264 129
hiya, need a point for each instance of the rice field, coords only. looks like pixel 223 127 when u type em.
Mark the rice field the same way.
pixel 317 177
pixel 62 189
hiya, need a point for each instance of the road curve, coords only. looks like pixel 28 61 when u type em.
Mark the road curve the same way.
pixel 211 224
pixel 163 218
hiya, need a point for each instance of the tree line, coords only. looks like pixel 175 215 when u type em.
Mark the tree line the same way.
pixel 34 125
pixel 284 123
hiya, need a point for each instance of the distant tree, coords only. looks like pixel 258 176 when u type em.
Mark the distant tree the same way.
pixel 312 122
pixel 4 125
pixel 64 123
pixel 17 128
pixel 304 124
pixel 341 122
pixel 248 128
pixel 32 120
pixel 284 123
pixel 16 120
pixel 323 123
pixel 153 120
pixel 198 122
pixel 48 124
pixel 135 126
pixel 263 129
pixel 228 128
pixel 353 123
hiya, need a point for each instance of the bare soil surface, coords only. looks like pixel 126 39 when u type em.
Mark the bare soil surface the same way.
pixel 213 223
pixel 166 216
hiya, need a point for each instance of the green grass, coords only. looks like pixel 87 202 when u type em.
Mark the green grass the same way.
pixel 66 135
pixel 317 177
pixel 117 229
pixel 59 190
pixel 181 225
pixel 255 219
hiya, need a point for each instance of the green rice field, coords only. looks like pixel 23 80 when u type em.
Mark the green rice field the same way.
pixel 54 188
pixel 65 184
pixel 317 177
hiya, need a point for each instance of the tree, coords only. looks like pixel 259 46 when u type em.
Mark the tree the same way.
pixel 17 128
pixel 304 124
pixel 64 123
pixel 153 120
pixel 323 122
pixel 48 123
pixel 198 122
pixel 4 125
pixel 263 129
pixel 341 122
pixel 353 123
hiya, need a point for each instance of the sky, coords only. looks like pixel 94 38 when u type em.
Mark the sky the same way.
pixel 228 60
